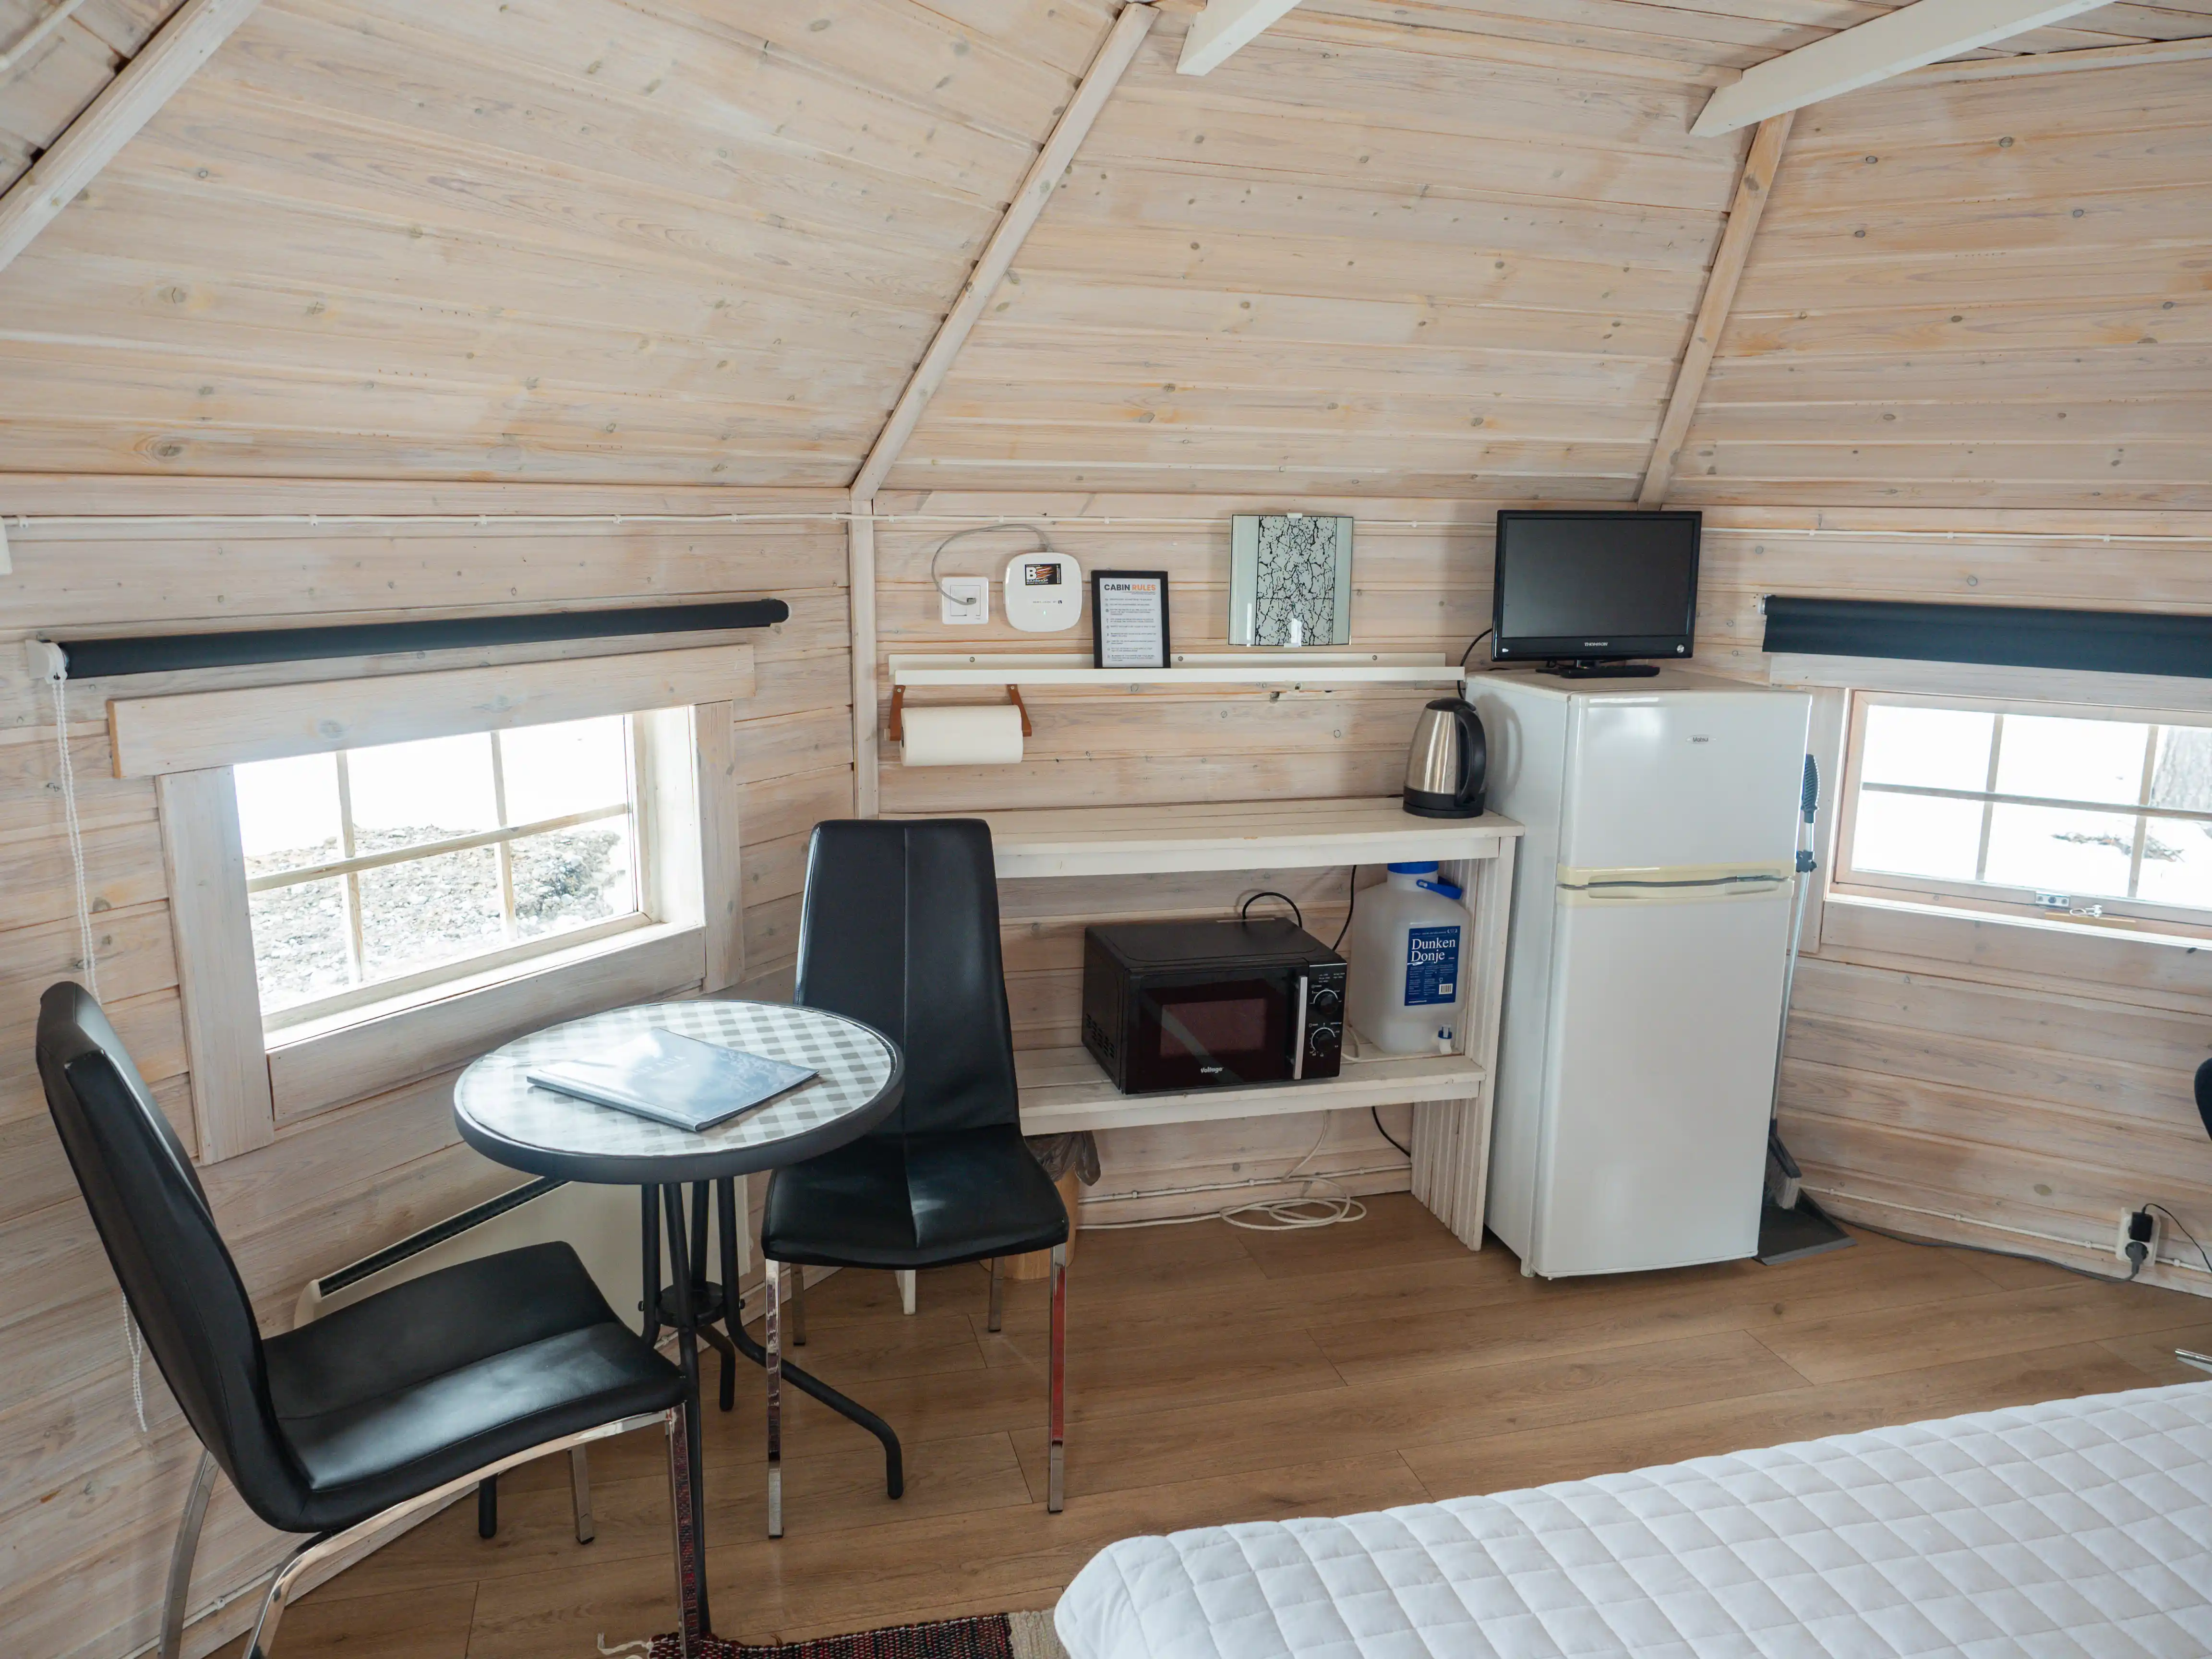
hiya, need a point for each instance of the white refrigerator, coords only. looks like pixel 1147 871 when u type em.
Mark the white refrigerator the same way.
pixel 1651 911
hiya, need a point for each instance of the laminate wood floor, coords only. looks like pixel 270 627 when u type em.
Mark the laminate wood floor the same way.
pixel 1218 1374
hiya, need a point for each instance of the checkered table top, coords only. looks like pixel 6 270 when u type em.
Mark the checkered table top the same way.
pixel 855 1066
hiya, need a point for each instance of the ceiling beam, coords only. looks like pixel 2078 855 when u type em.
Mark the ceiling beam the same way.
pixel 1021 216
pixel 1752 189
pixel 1225 27
pixel 1903 39
pixel 111 120
pixel 2061 63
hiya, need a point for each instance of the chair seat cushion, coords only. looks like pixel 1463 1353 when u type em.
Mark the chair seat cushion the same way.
pixel 917 1201
pixel 424 1382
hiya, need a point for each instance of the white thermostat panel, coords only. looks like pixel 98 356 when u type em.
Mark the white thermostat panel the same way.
pixel 1044 593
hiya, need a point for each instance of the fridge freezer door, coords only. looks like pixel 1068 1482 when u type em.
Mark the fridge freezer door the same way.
pixel 1684 779
pixel 1659 1078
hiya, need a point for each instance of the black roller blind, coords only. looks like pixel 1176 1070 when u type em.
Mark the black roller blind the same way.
pixel 2017 636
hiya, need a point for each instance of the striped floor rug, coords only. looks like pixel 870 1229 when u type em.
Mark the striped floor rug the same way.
pixel 987 1636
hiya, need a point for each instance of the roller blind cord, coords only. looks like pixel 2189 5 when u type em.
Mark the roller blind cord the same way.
pixel 65 769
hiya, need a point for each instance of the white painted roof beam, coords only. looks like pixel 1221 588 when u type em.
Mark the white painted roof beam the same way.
pixel 1225 27
pixel 1904 40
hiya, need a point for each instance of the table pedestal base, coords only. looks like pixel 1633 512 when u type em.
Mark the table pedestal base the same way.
pixel 693 1306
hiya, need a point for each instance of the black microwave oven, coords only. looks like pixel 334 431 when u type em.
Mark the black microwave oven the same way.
pixel 1209 1004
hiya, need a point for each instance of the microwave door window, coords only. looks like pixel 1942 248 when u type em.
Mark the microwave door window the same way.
pixel 1201 1036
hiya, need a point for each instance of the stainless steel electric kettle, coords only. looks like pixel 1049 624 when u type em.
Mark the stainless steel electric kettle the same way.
pixel 1448 765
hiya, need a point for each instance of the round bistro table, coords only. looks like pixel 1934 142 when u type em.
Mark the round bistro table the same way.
pixel 511 1120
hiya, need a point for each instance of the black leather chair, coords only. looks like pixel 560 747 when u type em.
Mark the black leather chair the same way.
pixel 381 1410
pixel 900 929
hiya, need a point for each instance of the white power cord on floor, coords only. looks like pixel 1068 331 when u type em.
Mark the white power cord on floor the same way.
pixel 1284 1215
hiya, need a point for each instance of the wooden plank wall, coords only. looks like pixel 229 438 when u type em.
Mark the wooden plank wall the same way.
pixel 2022 1081
pixel 1981 1081
pixel 87 1504
pixel 1997 293
pixel 1414 589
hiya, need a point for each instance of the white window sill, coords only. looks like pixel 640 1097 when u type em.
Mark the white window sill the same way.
pixel 2126 929
pixel 344 1057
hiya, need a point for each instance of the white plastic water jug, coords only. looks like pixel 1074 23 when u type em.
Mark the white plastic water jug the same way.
pixel 1408 949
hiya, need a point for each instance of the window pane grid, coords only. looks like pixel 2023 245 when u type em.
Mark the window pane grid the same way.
pixel 2143 820
pixel 348 847
pixel 429 849
pixel 1989 805
pixel 2179 814
pixel 2040 849
pixel 505 855
pixel 467 908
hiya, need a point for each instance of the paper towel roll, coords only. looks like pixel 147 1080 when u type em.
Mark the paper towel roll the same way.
pixel 986 736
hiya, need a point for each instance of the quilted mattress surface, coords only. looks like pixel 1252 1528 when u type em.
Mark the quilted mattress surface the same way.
pixel 2075 1527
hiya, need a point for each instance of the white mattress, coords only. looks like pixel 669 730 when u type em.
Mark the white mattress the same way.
pixel 2075 1528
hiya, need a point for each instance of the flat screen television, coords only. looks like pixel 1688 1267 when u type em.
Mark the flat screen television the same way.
pixel 1589 592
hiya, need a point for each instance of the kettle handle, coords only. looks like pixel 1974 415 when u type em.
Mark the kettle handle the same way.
pixel 1473 753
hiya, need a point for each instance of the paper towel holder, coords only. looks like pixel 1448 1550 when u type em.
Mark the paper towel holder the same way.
pixel 897 728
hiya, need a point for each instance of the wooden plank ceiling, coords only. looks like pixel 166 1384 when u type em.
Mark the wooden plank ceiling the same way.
pixel 675 241
pixel 1996 293
pixel 1395 247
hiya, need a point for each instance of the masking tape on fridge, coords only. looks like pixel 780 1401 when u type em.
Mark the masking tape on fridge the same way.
pixel 1667 875
pixel 990 735
pixel 1687 884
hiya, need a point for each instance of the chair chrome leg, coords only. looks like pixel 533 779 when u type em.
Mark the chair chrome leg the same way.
pixel 579 1492
pixel 906 1283
pixel 997 1293
pixel 1056 1477
pixel 2190 1357
pixel 331 1545
pixel 798 1306
pixel 181 1557
pixel 772 1339
pixel 684 1524
pixel 279 1596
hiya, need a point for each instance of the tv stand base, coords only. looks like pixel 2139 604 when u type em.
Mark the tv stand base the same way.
pixel 1601 670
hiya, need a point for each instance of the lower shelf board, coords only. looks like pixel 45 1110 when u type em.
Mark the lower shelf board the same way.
pixel 1064 1088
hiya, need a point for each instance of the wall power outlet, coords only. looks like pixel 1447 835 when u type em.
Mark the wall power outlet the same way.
pixel 2143 1227
pixel 964 599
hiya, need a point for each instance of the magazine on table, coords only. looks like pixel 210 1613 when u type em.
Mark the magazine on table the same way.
pixel 673 1079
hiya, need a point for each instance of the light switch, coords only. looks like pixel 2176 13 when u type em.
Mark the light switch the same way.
pixel 964 600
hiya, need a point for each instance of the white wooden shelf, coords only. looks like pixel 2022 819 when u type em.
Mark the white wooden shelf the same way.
pixel 1292 668
pixel 1064 1088
pixel 1249 835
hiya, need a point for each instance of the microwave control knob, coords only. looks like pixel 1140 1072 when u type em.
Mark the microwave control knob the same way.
pixel 1325 997
pixel 1322 1041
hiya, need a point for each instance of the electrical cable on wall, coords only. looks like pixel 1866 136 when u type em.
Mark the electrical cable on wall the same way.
pixel 485 520
pixel 2184 1231
pixel 1351 904
pixel 55 668
pixel 1044 544
pixel 1244 910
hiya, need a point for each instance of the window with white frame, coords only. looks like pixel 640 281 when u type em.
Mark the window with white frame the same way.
pixel 378 871
pixel 497 848
pixel 2100 814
